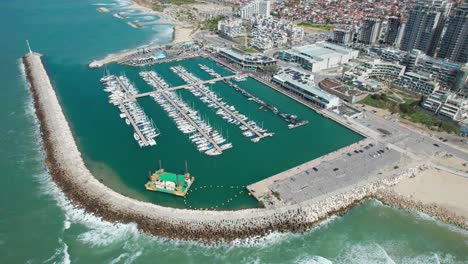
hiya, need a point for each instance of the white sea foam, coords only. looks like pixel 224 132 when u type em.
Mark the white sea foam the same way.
pixel 133 257
pixel 65 255
pixel 104 4
pixel 101 232
pixel 312 260
pixel 364 253
pixel 119 258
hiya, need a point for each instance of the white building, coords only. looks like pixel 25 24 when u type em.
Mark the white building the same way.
pixel 302 84
pixel 319 56
pixel 231 28
pixel 269 32
pixel 374 69
pixel 447 104
pixel 257 7
pixel 418 83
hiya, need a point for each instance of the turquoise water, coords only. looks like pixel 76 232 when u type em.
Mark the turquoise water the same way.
pixel 38 225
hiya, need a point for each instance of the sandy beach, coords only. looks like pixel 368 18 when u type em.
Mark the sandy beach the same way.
pixel 438 187
pixel 182 31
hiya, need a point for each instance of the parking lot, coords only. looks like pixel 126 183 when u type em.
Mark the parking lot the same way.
pixel 350 168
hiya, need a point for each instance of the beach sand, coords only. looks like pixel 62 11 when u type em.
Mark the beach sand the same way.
pixel 433 186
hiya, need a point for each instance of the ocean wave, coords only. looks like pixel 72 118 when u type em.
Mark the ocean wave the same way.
pixel 364 253
pixel 312 260
pixel 104 4
pixel 421 216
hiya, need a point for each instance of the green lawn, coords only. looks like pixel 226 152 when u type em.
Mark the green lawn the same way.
pixel 212 24
pixel 248 49
pixel 316 26
pixel 407 110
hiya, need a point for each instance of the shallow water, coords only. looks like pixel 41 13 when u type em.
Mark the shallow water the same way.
pixel 38 225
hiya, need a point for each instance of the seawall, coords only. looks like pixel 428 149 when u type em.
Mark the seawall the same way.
pixel 68 170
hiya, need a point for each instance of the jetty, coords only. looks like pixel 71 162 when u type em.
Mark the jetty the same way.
pixel 195 83
pixel 184 86
pixel 189 119
pixel 135 127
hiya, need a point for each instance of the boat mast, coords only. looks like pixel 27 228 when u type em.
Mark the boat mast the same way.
pixel 29 47
pixel 186 169
pixel 160 166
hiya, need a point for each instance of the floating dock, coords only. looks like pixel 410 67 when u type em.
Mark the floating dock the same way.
pixel 172 183
pixel 193 80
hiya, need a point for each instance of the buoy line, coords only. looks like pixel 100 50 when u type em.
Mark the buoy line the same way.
pixel 230 199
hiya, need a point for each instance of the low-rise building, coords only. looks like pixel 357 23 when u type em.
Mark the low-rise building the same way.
pixel 443 71
pixel 418 83
pixel 231 28
pixel 369 68
pixel 447 104
pixel 319 56
pixel 344 92
pixel 301 84
pixel 249 62
pixel 269 32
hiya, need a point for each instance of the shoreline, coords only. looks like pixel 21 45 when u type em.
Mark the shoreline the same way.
pixel 69 172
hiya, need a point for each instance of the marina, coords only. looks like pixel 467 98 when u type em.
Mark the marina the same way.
pixel 120 91
pixel 227 112
pixel 204 136
pixel 192 95
pixel 292 120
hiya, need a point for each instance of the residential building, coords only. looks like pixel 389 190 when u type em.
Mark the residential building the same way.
pixel 269 32
pixel 369 31
pixel 257 7
pixel 447 104
pixel 424 26
pixel 454 44
pixel 393 29
pixel 418 83
pixel 319 56
pixel 298 83
pixel 231 28
pixel 461 81
pixel 443 71
pixel 249 62
pixel 343 36
pixel 374 69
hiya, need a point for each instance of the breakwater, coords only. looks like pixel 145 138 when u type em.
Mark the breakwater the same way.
pixel 68 170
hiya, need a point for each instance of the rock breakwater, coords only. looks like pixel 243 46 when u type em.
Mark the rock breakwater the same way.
pixel 68 170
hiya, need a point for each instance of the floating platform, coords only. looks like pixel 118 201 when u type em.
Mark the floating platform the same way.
pixel 172 183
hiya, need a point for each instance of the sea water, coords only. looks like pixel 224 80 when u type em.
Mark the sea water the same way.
pixel 39 225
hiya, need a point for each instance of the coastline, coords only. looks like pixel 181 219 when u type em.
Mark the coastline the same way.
pixel 181 32
pixel 68 170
